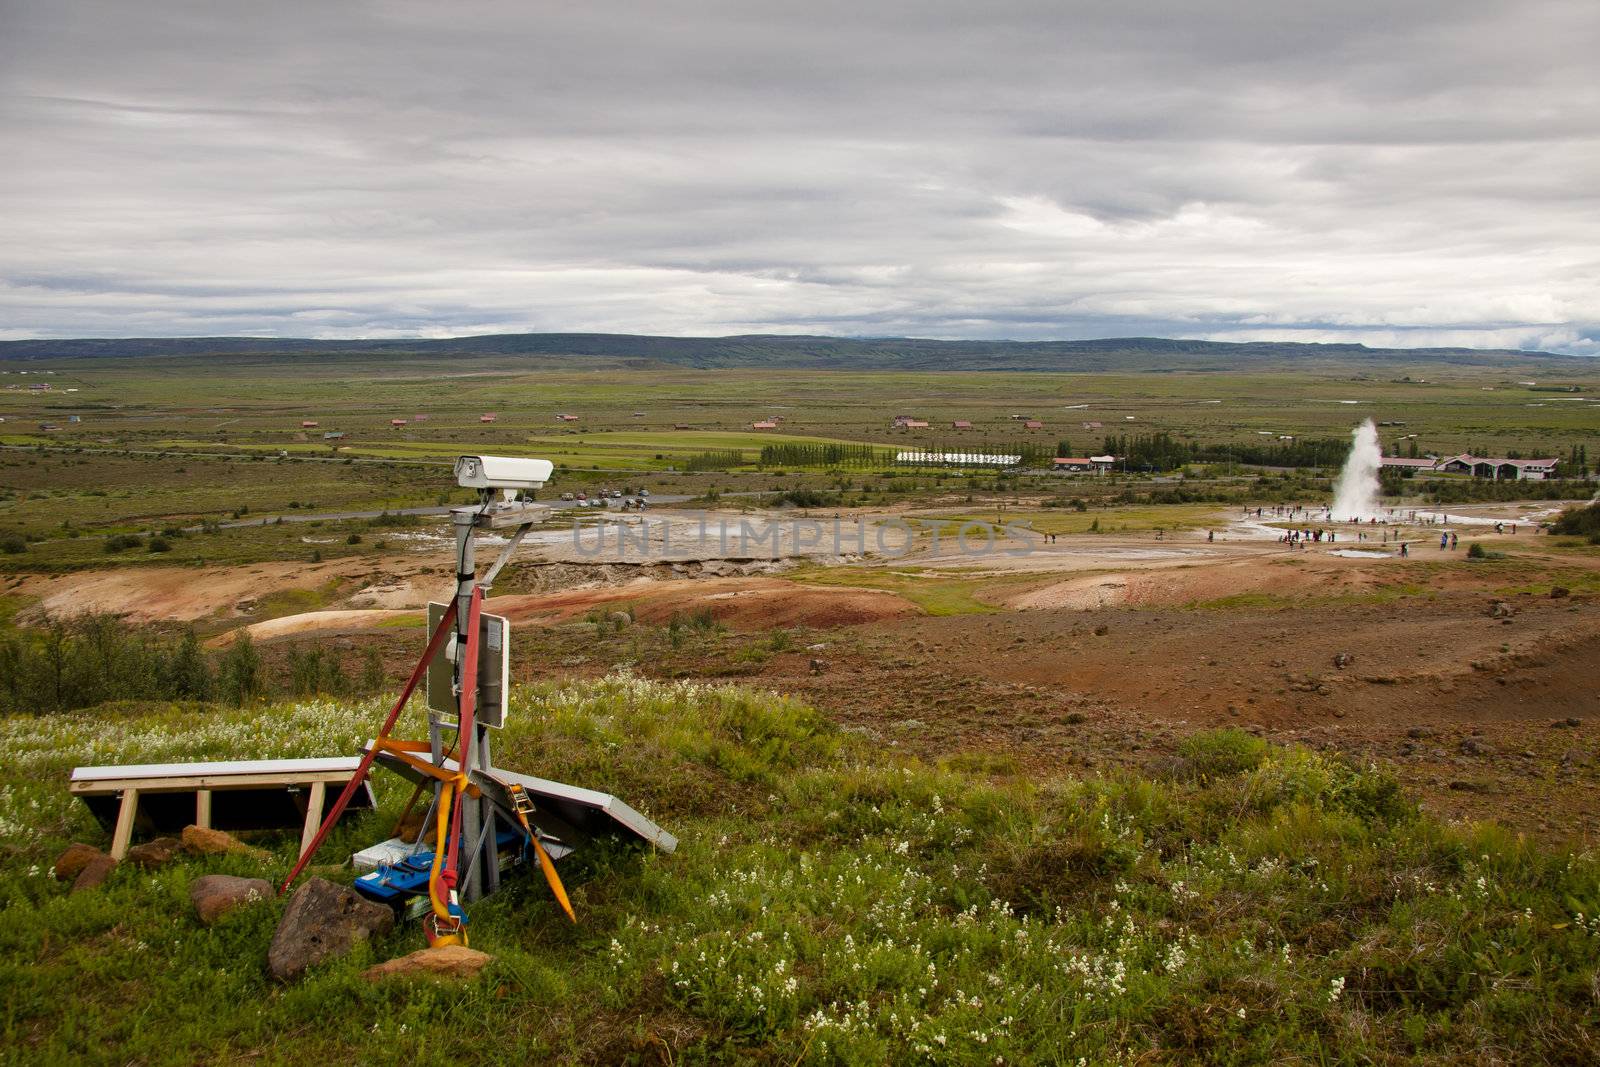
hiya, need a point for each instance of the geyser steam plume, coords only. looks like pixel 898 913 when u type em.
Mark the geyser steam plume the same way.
pixel 1355 494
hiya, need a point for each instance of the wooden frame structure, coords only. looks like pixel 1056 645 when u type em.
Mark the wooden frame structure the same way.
pixel 115 794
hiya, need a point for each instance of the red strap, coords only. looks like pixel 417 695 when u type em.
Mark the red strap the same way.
pixel 372 753
pixel 469 702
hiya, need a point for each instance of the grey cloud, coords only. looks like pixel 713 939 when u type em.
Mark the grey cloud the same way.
pixel 1413 171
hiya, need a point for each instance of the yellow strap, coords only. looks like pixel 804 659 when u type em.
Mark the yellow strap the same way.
pixel 546 864
pixel 440 910
pixel 552 877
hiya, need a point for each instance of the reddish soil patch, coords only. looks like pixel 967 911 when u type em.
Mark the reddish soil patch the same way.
pixel 1482 717
pixel 740 603
pixel 190 594
pixel 317 622
pixel 1483 711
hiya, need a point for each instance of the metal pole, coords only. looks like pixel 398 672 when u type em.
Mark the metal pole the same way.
pixel 466 578
pixel 491 848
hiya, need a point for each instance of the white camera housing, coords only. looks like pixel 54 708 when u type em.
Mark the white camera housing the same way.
pixel 509 473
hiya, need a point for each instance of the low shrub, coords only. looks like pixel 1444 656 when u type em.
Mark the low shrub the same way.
pixel 1219 753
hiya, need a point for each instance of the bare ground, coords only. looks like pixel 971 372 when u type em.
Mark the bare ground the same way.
pixel 1479 689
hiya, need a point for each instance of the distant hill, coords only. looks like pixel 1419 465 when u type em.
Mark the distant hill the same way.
pixel 799 352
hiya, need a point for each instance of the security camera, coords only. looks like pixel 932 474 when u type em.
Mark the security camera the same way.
pixel 511 474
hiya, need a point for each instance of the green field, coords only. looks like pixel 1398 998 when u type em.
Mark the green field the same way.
pixel 256 402
pixel 935 592
pixel 829 904
pixel 166 441
pixel 1104 519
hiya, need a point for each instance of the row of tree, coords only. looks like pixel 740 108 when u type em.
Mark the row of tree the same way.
pixel 1160 451
pixel 825 455
pixel 1154 452
pixel 717 460
pixel 66 663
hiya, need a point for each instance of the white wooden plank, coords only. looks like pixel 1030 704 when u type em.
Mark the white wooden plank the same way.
pixel 122 836
pixel 314 803
pixel 214 782
pixel 219 768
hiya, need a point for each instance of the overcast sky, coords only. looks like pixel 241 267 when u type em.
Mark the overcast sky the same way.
pixel 1407 172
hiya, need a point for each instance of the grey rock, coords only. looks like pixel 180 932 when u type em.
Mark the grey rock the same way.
pixel 322 921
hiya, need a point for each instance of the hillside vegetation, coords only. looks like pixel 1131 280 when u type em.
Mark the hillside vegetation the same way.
pixel 830 903
pixel 1584 521
pixel 783 351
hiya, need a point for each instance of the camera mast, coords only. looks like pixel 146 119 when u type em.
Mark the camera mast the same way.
pixel 481 817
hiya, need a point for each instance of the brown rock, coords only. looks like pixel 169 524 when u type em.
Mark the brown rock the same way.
pixel 74 859
pixel 94 873
pixel 446 961
pixel 214 895
pixel 203 841
pixel 322 920
pixel 154 853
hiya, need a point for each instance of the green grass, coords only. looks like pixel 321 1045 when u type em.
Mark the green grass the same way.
pixel 1120 519
pixel 1573 581
pixel 831 904
pixel 242 410
pixel 934 592
pixel 261 401
pixel 282 602
pixel 228 547
pixel 51 494
pixel 403 622
pixel 1256 601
